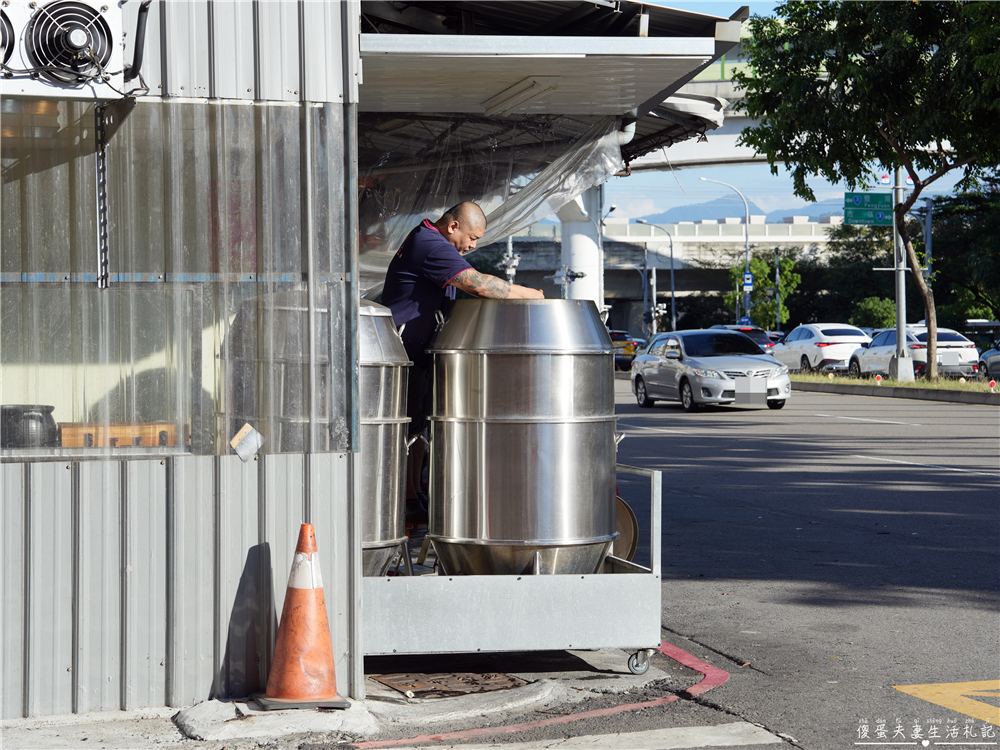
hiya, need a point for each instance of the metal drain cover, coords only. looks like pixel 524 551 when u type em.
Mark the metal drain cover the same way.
pixel 447 685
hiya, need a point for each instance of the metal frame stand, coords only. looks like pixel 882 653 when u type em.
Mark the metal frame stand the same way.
pixel 619 608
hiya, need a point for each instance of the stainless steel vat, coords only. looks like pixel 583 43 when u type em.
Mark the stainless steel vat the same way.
pixel 270 371
pixel 522 461
pixel 382 410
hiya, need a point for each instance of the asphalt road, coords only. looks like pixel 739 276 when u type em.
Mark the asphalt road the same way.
pixel 824 553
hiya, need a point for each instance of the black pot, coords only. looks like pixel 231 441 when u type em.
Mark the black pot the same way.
pixel 28 426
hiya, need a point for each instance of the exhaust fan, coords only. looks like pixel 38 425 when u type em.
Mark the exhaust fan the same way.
pixel 66 49
pixel 6 38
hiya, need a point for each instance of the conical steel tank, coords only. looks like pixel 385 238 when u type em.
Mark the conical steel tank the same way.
pixel 522 446
pixel 382 410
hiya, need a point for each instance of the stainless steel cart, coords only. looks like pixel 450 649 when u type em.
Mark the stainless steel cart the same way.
pixel 619 608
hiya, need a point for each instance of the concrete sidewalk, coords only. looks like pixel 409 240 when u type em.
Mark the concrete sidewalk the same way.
pixel 562 688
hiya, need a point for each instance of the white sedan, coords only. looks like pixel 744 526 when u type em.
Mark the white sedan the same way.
pixel 956 355
pixel 820 346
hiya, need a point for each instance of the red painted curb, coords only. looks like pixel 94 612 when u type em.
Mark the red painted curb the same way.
pixel 713 678
pixel 713 675
pixel 510 729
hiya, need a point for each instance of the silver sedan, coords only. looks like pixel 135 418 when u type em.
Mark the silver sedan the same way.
pixel 708 367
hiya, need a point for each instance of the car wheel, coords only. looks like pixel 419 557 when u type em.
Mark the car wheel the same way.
pixel 687 397
pixel 641 396
pixel 804 365
pixel 775 404
pixel 855 369
pixel 984 371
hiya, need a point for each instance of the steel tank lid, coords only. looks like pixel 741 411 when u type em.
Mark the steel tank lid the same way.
pixel 379 343
pixel 368 307
pixel 564 326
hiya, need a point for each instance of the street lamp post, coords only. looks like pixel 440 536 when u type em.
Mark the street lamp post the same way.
pixel 746 237
pixel 673 303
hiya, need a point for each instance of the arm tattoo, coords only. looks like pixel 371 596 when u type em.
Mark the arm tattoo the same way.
pixel 482 284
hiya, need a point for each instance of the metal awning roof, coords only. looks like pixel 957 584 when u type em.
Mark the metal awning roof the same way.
pixel 520 57
pixel 522 75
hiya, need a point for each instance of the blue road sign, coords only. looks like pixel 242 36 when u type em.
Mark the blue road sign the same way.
pixel 748 282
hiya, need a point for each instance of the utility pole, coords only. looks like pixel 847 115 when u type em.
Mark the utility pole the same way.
pixel 901 366
pixel 777 291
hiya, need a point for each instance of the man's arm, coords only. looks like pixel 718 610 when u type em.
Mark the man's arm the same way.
pixel 490 287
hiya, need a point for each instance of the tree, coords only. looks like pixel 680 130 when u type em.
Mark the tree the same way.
pixel 763 306
pixel 966 256
pixel 840 88
pixel 874 312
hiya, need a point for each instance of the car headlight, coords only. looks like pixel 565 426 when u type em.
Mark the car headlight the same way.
pixel 777 372
pixel 710 374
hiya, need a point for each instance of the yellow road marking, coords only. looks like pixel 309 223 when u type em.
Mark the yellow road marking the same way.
pixel 956 696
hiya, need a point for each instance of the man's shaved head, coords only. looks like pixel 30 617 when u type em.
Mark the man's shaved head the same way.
pixel 468 214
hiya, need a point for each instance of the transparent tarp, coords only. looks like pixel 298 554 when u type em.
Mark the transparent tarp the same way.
pixel 520 170
pixel 230 294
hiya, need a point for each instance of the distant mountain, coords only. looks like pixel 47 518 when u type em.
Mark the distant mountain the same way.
pixel 720 208
pixel 723 208
pixel 815 211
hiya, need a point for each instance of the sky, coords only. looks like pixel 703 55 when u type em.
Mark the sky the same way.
pixel 647 193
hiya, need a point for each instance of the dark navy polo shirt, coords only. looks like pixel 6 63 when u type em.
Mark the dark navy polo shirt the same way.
pixel 416 285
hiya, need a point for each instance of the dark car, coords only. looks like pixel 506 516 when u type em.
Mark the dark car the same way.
pixel 759 335
pixel 626 345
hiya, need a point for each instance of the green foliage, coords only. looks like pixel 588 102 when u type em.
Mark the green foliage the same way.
pixel 966 252
pixel 874 312
pixel 763 308
pixel 840 88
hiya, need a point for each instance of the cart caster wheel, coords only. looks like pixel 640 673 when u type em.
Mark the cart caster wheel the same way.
pixel 638 663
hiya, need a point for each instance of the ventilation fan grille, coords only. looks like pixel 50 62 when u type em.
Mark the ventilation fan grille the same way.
pixel 69 42
pixel 6 38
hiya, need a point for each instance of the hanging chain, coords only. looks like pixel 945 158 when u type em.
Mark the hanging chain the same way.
pixel 103 250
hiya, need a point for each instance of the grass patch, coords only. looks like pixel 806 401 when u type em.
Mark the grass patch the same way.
pixel 950 384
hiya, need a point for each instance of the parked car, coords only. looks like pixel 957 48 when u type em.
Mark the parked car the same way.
pixel 989 362
pixel 777 336
pixel 957 355
pixel 708 367
pixel 820 346
pixel 626 345
pixel 759 335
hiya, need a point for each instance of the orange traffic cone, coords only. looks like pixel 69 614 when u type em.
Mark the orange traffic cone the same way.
pixel 302 672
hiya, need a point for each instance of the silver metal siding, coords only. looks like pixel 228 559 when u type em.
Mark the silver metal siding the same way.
pixel 99 513
pixel 12 588
pixel 144 583
pixel 149 583
pixel 192 574
pixel 49 595
pixel 243 631
pixel 232 49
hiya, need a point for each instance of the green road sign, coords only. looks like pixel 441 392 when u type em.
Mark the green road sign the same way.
pixel 868 216
pixel 868 200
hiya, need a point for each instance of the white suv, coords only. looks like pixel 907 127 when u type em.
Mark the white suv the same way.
pixel 956 355
pixel 819 346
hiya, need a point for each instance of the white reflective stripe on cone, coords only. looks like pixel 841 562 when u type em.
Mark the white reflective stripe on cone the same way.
pixel 305 572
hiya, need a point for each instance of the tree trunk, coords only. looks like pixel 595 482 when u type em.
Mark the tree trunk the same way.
pixel 926 293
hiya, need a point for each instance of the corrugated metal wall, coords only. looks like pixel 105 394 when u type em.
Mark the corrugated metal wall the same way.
pixel 130 583
pixel 271 50
pixel 150 583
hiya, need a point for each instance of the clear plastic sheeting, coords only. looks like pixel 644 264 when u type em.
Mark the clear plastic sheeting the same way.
pixel 520 170
pixel 230 297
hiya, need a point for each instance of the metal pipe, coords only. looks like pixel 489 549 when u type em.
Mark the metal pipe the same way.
pixel 746 237
pixel 140 41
